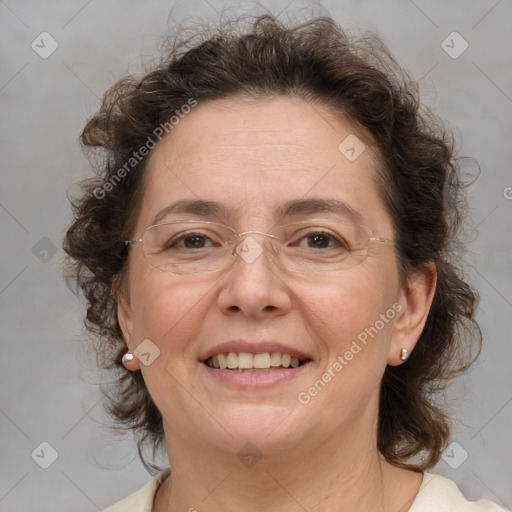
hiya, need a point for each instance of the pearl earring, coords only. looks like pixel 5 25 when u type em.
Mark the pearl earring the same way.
pixel 127 358
pixel 404 355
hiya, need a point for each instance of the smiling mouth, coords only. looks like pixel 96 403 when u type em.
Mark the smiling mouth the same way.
pixel 245 362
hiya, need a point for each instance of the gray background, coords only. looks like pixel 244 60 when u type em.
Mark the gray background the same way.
pixel 48 380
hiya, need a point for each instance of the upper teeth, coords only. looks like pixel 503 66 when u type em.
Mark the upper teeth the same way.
pixel 233 360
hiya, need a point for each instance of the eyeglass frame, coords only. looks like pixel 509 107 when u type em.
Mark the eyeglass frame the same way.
pixel 140 240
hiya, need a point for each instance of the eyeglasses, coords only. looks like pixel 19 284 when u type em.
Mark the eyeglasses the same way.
pixel 188 247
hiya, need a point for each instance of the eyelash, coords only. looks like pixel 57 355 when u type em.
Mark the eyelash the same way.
pixel 182 237
pixel 336 239
pixel 296 241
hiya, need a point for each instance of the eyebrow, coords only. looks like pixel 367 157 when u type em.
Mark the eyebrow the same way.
pixel 314 205
pixel 197 207
pixel 293 208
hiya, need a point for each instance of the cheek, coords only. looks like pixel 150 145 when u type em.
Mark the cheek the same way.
pixel 346 319
pixel 167 311
pixel 354 315
pixel 347 304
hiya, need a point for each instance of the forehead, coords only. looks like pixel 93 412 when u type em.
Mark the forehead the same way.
pixel 254 155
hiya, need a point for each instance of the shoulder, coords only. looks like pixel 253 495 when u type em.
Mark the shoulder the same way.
pixel 141 500
pixel 439 494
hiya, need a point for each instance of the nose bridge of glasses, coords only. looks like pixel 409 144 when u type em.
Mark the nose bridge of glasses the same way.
pixel 242 235
pixel 249 249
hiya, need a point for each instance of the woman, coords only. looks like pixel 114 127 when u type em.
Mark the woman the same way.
pixel 268 258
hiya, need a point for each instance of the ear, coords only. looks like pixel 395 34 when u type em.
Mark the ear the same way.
pixel 415 304
pixel 125 318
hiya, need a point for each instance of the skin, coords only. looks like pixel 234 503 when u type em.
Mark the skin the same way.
pixel 252 155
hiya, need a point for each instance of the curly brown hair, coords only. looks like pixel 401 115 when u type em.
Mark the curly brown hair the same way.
pixel 419 181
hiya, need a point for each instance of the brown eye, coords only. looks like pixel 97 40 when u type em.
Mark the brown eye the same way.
pixel 318 241
pixel 322 240
pixel 191 241
pixel 194 241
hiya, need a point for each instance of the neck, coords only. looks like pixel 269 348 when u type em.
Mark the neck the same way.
pixel 343 474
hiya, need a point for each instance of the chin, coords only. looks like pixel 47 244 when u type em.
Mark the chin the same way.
pixel 271 429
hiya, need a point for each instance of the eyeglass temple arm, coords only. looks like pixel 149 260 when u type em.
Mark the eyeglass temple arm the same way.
pixel 128 243
pixel 380 239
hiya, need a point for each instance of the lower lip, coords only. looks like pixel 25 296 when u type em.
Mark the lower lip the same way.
pixel 256 380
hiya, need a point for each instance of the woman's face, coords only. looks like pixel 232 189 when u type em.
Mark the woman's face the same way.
pixel 254 158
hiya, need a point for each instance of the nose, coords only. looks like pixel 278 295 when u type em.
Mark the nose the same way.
pixel 254 286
